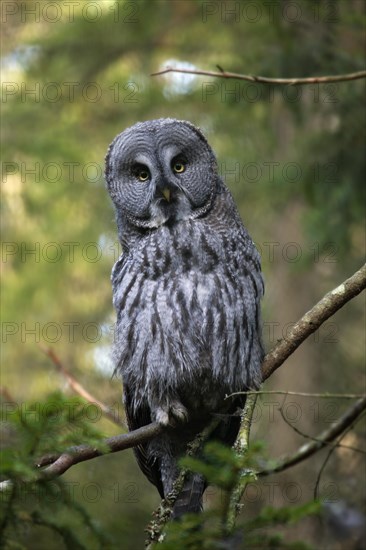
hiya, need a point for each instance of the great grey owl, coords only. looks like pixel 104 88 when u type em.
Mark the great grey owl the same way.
pixel 186 291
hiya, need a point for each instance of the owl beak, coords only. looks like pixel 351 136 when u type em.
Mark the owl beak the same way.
pixel 166 193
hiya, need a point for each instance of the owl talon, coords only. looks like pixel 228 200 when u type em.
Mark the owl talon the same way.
pixel 162 417
pixel 179 412
pixel 171 415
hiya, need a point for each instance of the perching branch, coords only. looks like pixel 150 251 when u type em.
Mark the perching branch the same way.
pixel 80 453
pixel 59 464
pixel 263 79
pixel 310 322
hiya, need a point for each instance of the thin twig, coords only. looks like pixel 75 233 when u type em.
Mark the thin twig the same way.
pixel 301 394
pixel 322 440
pixel 307 436
pixel 79 389
pixel 264 79
pixel 327 458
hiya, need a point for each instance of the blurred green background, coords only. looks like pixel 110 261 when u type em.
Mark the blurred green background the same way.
pixel 74 74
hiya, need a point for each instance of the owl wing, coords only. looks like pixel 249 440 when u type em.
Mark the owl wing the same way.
pixel 150 466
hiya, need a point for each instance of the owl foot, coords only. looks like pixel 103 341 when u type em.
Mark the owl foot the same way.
pixel 171 414
pixel 162 417
pixel 179 411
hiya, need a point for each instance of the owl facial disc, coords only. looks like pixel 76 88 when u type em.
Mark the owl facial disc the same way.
pixel 161 171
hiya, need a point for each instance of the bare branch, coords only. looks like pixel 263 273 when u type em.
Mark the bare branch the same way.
pixel 264 79
pixel 80 453
pixel 79 389
pixel 322 440
pixel 311 321
pixel 307 436
pixel 327 458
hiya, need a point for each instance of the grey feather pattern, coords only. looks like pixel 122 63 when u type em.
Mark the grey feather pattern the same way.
pixel 186 290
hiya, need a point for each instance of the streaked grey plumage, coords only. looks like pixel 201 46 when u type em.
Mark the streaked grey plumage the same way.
pixel 186 291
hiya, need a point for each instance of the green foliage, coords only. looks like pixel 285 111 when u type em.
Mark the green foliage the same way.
pixel 192 532
pixel 270 517
pixel 40 427
pixel 30 431
pixel 286 515
pixel 224 468
pixel 205 531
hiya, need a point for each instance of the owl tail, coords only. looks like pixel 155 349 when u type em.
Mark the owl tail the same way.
pixel 189 500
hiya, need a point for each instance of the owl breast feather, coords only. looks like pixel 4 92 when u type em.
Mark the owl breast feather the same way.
pixel 187 313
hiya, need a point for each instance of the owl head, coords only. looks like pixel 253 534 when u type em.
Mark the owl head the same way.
pixel 160 172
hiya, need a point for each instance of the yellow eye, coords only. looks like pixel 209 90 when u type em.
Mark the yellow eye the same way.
pixel 143 175
pixel 179 167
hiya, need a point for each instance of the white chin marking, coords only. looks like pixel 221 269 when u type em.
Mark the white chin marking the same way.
pixel 158 217
pixel 184 210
